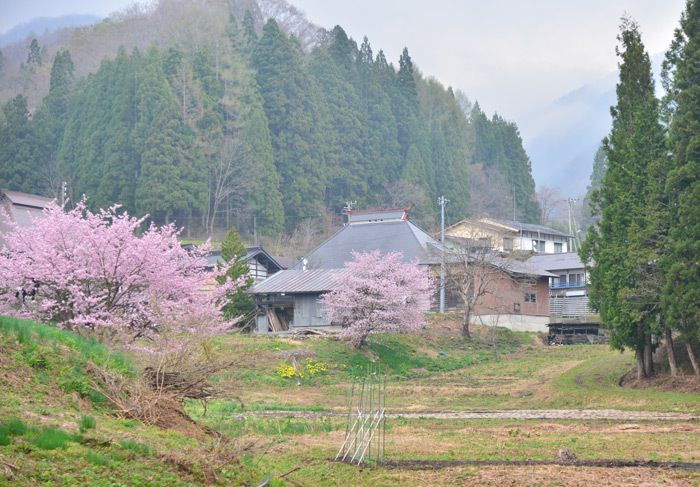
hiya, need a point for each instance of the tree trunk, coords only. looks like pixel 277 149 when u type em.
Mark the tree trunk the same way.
pixel 640 364
pixel 670 352
pixel 693 360
pixel 648 359
pixel 465 323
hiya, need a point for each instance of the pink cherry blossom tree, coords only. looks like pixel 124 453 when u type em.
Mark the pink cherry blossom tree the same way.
pixel 379 293
pixel 97 272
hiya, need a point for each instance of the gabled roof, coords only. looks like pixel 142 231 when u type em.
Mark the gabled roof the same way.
pixel 299 281
pixel 22 207
pixel 386 236
pixel 526 227
pixel 263 257
pixel 258 253
pixel 25 199
pixel 556 262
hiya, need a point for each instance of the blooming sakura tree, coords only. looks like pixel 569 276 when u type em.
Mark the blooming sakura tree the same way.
pixel 90 271
pixel 379 294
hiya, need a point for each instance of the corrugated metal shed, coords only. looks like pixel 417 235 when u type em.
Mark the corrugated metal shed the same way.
pixel 298 281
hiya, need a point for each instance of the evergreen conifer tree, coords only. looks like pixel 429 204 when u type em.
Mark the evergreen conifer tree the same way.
pixel 232 248
pixel 16 149
pixel 681 293
pixel 622 246
pixel 290 102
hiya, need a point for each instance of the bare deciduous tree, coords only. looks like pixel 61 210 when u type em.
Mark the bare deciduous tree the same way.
pixel 553 207
pixel 489 193
pixel 229 176
pixel 481 280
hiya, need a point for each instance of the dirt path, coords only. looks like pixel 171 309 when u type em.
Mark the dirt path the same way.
pixel 562 414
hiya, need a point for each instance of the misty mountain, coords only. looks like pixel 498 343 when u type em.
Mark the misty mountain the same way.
pixel 562 156
pixel 41 25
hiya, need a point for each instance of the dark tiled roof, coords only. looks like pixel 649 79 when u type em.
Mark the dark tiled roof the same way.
pixel 393 236
pixel 214 258
pixel 526 227
pixel 556 262
pixel 298 281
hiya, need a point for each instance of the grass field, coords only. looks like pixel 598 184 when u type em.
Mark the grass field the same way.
pixel 56 430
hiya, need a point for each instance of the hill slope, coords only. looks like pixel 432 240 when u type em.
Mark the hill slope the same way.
pixel 210 114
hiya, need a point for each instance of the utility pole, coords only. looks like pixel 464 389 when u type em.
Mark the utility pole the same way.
pixel 442 202
pixel 572 224
pixel 64 192
pixel 348 207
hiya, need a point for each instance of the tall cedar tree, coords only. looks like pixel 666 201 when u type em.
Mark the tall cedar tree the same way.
pixel 681 262
pixel 50 121
pixel 16 148
pixel 621 281
pixel 291 105
pixel 238 303
pixel 333 71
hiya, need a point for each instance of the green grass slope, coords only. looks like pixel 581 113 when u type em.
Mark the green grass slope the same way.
pixel 56 429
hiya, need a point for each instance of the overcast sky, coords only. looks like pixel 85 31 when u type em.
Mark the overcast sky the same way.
pixel 515 57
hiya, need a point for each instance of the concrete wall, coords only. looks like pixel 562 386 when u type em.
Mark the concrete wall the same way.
pixel 514 322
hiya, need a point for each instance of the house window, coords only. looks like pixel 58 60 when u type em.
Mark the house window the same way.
pixel 575 280
pixel 484 243
pixel 530 297
pixel 558 248
pixel 538 245
pixel 507 243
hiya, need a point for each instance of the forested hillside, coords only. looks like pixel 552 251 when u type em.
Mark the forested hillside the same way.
pixel 213 113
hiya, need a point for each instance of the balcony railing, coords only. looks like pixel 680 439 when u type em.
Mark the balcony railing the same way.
pixel 568 285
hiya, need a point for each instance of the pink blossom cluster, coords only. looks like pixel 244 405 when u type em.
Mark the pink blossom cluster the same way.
pixel 379 293
pixel 87 270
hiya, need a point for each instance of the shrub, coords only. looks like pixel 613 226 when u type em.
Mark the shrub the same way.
pixel 15 427
pixel 50 439
pixel 87 423
pixel 135 447
pixel 4 436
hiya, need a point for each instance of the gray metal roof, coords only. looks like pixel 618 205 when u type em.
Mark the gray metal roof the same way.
pixel 297 281
pixel 393 236
pixel 526 227
pixel 25 199
pixel 517 267
pixel 556 262
pixel 21 208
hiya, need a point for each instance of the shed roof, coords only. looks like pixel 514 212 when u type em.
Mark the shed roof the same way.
pixel 298 281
